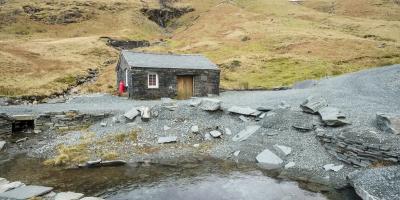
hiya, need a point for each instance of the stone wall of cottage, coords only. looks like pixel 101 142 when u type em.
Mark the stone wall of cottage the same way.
pixel 205 82
pixel 361 149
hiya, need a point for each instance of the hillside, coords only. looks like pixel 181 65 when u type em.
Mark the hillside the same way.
pixel 46 45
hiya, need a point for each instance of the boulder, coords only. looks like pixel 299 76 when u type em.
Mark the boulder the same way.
pixel 236 153
pixel 389 123
pixel 2 144
pixel 208 104
pixel 25 192
pixel 167 139
pixel 332 117
pixel 313 105
pixel 246 133
pixel 131 114
pixel 207 136
pixel 215 134
pixel 284 150
pixel 244 111
pixel 68 196
pixel 194 129
pixel 269 160
pixel 332 167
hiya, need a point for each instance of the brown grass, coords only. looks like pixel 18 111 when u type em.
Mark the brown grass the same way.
pixel 285 42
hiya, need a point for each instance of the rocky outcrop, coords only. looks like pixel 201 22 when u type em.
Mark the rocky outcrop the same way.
pixel 389 123
pixel 377 184
pixel 361 149
pixel 162 16
pixel 126 44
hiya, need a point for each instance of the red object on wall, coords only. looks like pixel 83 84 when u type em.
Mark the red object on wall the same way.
pixel 121 87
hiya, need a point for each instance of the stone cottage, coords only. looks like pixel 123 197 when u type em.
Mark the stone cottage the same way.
pixel 153 76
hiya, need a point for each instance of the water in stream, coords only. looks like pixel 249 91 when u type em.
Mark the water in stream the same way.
pixel 207 179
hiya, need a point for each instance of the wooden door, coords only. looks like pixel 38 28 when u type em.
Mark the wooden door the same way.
pixel 185 87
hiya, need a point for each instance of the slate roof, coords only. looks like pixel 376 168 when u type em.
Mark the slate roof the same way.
pixel 153 60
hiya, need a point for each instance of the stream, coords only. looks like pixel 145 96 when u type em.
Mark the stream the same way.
pixel 207 179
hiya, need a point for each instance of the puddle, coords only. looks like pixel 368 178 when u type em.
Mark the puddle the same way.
pixel 210 179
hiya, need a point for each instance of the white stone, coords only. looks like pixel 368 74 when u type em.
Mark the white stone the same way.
pixel 103 124
pixel 228 131
pixel 91 198
pixel 68 196
pixel 10 186
pixel 332 167
pixel 168 139
pixel 290 165
pixel 269 160
pixel 195 102
pixel 236 153
pixel 145 112
pixel 215 134
pixel 283 149
pixel 262 116
pixel 166 128
pixel 2 143
pixel 196 145
pixel 246 133
pixel 195 129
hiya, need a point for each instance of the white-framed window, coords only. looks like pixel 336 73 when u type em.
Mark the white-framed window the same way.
pixel 126 78
pixel 152 80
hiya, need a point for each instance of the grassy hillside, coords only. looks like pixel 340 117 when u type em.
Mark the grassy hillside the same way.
pixel 257 43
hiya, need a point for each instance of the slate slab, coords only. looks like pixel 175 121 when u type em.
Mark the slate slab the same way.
pixel 332 117
pixel 167 139
pixel 284 150
pixel 10 186
pixel 68 196
pixel 268 160
pixel 246 133
pixel 132 113
pixel 2 143
pixel 25 192
pixel 244 111
pixel 313 104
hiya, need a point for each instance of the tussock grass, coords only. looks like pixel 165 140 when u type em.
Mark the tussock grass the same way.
pixel 284 42
pixel 90 147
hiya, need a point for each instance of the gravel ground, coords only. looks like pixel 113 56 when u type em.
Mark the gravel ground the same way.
pixel 359 95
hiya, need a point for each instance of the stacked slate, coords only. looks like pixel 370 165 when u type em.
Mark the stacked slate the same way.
pixel 5 124
pixel 361 149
